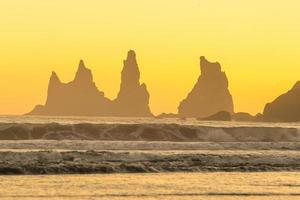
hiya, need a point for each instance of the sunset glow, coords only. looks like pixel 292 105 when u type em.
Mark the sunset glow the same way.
pixel 256 42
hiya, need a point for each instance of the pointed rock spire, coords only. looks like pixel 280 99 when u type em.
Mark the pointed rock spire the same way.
pixel 81 96
pixel 54 83
pixel 83 74
pixel 54 78
pixel 209 67
pixel 81 65
pixel 130 76
pixel 131 55
pixel 210 95
pixel 133 97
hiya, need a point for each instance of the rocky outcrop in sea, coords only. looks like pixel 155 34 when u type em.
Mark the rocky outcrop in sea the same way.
pixel 285 108
pixel 81 97
pixel 210 95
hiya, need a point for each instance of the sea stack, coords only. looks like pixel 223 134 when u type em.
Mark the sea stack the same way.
pixel 210 95
pixel 79 97
pixel 133 97
pixel 285 108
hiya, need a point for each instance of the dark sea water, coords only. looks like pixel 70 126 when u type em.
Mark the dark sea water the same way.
pixel 128 120
pixel 185 186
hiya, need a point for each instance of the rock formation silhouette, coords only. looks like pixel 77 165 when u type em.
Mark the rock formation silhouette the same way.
pixel 243 117
pixel 210 95
pixel 78 97
pixel 133 97
pixel 166 115
pixel 81 97
pixel 220 116
pixel 285 108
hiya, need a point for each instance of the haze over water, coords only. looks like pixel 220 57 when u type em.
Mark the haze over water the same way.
pixel 134 120
pixel 256 41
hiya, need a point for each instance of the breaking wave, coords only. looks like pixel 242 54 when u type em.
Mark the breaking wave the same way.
pixel 147 132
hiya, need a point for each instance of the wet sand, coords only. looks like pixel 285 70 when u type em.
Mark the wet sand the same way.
pixel 164 186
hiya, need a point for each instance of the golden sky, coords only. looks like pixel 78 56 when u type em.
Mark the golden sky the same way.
pixel 257 43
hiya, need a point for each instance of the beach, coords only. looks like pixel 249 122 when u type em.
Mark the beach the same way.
pixel 162 186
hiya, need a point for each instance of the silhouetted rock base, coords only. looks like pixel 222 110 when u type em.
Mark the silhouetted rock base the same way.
pixel 220 116
pixel 167 115
pixel 51 162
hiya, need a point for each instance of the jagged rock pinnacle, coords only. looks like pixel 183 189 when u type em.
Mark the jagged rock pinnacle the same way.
pixel 209 67
pixel 130 76
pixel 131 55
pixel 54 77
pixel 210 95
pixel 83 74
pixel 133 97
pixel 81 65
pixel 81 96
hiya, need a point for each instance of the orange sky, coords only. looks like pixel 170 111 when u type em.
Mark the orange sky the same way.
pixel 257 43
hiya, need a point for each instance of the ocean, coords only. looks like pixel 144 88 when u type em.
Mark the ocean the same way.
pixel 131 120
pixel 279 185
